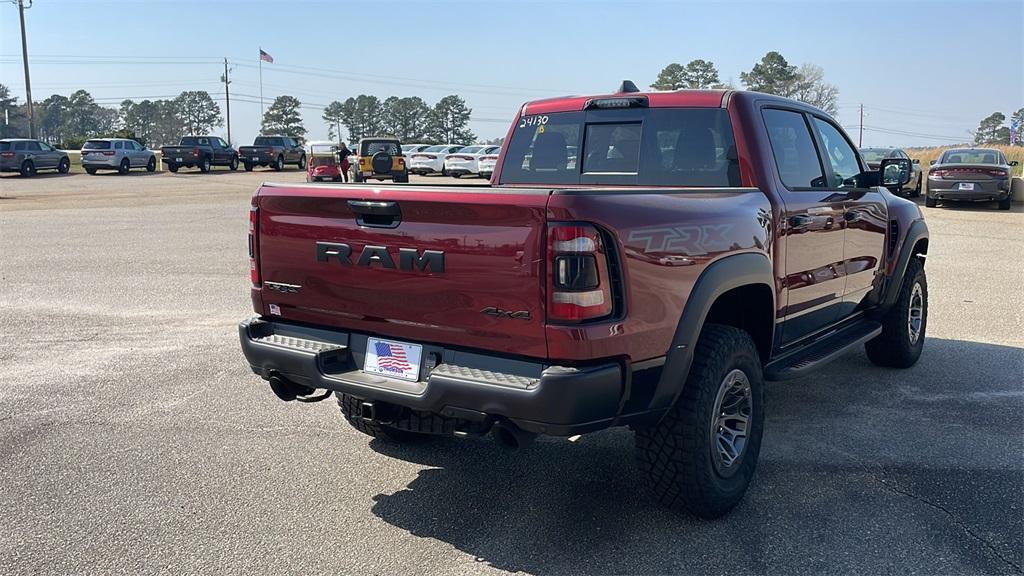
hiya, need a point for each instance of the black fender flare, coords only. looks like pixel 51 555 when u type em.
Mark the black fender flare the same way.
pixel 918 231
pixel 723 275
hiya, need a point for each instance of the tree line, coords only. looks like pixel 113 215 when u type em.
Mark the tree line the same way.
pixel 993 129
pixel 772 75
pixel 409 119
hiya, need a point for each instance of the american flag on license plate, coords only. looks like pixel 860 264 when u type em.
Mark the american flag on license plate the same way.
pixel 389 356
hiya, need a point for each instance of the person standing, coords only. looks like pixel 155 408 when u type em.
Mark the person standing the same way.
pixel 343 162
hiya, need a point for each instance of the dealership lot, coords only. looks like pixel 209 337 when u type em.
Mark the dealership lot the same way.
pixel 135 439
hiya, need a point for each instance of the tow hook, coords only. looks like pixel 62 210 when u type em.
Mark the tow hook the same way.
pixel 287 390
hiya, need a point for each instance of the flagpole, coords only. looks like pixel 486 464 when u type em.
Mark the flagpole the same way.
pixel 261 90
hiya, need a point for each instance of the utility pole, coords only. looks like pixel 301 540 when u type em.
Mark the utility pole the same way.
pixel 24 58
pixel 227 97
pixel 860 141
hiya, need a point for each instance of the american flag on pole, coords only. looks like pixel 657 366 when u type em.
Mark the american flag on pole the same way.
pixel 266 57
pixel 392 357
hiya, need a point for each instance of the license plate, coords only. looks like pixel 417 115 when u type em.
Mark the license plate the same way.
pixel 393 359
pixel 177 159
pixel 966 186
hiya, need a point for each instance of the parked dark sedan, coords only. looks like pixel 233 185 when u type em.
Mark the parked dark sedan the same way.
pixel 29 156
pixel 874 157
pixel 970 175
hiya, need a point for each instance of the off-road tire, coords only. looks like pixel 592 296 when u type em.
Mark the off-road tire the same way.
pixel 204 165
pixel 1005 203
pixel 233 165
pixel 124 167
pixel 676 454
pixel 28 169
pixel 930 202
pixel 90 170
pixel 151 165
pixel 350 409
pixel 248 166
pixel 893 348
pixel 172 167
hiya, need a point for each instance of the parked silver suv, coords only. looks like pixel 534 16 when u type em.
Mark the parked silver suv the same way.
pixel 119 154
pixel 29 156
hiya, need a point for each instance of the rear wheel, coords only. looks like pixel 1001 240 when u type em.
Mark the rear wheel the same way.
pixel 151 165
pixel 351 409
pixel 279 164
pixel 28 169
pixel 1005 203
pixel 701 457
pixel 357 177
pixel 248 166
pixel 204 165
pixel 402 178
pixel 903 326
pixel 234 163
pixel 124 167
pixel 930 202
pixel 90 170
pixel 916 192
pixel 64 166
pixel 172 167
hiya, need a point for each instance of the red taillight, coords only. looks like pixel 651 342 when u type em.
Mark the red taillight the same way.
pixel 997 173
pixel 195 151
pixel 579 284
pixel 108 153
pixel 254 268
pixel 6 154
pixel 938 173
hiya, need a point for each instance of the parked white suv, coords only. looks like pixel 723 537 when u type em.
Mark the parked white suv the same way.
pixel 119 154
pixel 431 160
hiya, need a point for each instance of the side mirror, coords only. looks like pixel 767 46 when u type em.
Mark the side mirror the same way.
pixel 916 161
pixel 932 162
pixel 895 172
pixel 1014 162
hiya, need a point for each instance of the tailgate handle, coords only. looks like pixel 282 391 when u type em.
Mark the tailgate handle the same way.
pixel 376 214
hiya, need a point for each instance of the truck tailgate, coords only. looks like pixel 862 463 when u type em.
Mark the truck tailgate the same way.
pixel 471 272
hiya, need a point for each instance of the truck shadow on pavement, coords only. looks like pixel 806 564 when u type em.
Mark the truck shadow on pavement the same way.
pixel 863 470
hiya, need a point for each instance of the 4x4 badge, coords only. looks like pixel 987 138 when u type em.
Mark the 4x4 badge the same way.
pixel 499 313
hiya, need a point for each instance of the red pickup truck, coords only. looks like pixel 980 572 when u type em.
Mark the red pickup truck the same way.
pixel 641 259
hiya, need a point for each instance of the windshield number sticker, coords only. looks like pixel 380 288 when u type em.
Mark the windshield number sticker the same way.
pixel 531 121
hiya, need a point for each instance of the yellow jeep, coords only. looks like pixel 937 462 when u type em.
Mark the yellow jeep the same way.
pixel 380 158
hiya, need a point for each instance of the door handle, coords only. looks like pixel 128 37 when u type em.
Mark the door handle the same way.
pixel 801 221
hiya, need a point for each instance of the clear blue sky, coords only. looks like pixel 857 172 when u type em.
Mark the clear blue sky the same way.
pixel 922 68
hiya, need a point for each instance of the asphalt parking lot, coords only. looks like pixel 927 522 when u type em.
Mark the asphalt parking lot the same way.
pixel 135 439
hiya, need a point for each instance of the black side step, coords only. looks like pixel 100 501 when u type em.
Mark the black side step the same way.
pixel 812 356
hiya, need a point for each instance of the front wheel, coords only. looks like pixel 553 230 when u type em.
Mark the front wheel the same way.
pixel 234 163
pixel 903 326
pixel 701 457
pixel 151 165
pixel 302 162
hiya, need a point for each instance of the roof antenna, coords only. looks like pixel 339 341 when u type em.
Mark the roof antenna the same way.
pixel 627 86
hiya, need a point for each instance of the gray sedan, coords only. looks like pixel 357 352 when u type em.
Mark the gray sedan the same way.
pixel 971 175
pixel 29 156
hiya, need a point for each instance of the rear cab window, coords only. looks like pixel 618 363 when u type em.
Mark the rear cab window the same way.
pixel 96 145
pixel 679 147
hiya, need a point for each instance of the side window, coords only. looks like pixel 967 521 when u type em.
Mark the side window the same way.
pixel 840 154
pixel 793 148
pixel 20 146
pixel 33 147
pixel 118 145
pixel 45 147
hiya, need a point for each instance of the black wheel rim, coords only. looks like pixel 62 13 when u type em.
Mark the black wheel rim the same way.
pixel 730 422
